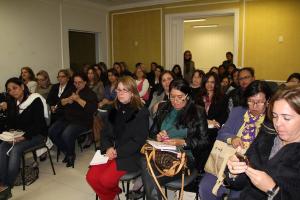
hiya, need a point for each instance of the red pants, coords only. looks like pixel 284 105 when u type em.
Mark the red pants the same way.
pixel 104 179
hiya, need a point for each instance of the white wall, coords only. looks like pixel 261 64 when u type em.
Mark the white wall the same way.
pixel 35 33
pixel 209 45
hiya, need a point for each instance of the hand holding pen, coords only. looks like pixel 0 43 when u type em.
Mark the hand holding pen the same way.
pixel 162 136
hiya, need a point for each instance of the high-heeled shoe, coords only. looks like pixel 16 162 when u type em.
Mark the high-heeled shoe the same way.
pixel 65 160
pixel 70 161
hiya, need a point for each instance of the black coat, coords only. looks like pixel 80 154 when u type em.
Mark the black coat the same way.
pixel 284 168
pixel 197 139
pixel 126 129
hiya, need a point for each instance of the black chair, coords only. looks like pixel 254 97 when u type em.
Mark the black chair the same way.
pixel 128 178
pixel 33 150
pixel 176 184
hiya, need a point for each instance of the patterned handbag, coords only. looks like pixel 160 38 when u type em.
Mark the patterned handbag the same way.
pixel 167 163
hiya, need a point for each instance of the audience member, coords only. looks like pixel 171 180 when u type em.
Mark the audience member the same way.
pixel 121 140
pixel 124 69
pixel 236 97
pixel 293 79
pixel 240 130
pixel 161 94
pixel 101 72
pixel 226 87
pixel 109 90
pixel 196 83
pixel 235 78
pixel 118 68
pixel 214 69
pixel 56 92
pixel 151 74
pixel 80 104
pixel 43 83
pixel 189 65
pixel 274 157
pixel 26 112
pixel 177 71
pixel 142 84
pixel 27 76
pixel 183 124
pixel 228 61
pixel 95 84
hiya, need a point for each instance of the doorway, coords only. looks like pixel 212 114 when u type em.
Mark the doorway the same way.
pixel 174 24
pixel 83 49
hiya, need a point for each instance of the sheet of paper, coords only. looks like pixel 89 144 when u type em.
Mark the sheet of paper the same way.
pixel 161 146
pixel 99 159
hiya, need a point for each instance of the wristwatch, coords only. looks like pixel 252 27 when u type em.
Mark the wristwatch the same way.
pixel 273 191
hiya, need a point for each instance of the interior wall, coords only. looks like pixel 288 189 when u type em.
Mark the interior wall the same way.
pixel 209 44
pixel 136 37
pixel 258 47
pixel 35 33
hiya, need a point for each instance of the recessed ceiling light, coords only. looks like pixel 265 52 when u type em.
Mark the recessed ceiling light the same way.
pixel 195 20
pixel 206 26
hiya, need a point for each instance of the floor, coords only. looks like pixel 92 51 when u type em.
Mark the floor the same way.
pixel 67 184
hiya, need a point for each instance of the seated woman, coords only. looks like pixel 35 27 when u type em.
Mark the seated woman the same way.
pixel 214 102
pixel 43 83
pixel 142 84
pixel 184 124
pixel 274 158
pixel 27 76
pixel 121 140
pixel 79 104
pixel 110 89
pixel 196 83
pixel 57 91
pixel 240 129
pixel 162 94
pixel 95 84
pixel 25 112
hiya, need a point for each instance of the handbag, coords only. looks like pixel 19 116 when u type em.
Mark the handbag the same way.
pixel 217 162
pixel 167 163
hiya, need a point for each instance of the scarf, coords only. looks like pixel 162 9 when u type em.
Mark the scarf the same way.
pixel 30 99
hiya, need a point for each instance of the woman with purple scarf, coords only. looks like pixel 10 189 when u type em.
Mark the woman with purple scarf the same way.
pixel 240 130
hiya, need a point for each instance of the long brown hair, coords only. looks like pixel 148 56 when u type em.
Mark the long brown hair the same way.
pixel 130 85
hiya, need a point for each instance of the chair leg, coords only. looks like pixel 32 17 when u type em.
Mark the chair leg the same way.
pixel 50 158
pixel 166 191
pixel 23 171
pixel 96 197
pixel 127 190
pixel 57 155
pixel 123 186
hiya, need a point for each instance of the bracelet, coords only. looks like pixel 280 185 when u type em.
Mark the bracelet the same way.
pixel 271 193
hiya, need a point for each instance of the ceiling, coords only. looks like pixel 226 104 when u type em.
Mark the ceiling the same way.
pixel 221 21
pixel 120 4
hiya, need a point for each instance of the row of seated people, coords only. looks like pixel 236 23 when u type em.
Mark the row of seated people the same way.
pixel 79 104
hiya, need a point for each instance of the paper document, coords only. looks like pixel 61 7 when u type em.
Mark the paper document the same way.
pixel 161 146
pixel 99 159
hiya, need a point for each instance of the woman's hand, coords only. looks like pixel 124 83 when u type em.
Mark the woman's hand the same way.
pixel 111 153
pixel 213 123
pixel 18 139
pixel 260 179
pixel 235 166
pixel 175 141
pixel 75 97
pixel 237 142
pixel 103 102
pixel 3 106
pixel 66 101
pixel 162 136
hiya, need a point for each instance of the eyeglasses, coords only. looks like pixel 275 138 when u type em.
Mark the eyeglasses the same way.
pixel 61 76
pixel 258 103
pixel 122 90
pixel 178 98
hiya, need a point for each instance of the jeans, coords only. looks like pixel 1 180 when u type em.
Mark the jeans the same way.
pixel 206 185
pixel 63 134
pixel 10 165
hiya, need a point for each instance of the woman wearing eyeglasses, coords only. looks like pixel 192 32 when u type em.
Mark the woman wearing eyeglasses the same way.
pixel 182 123
pixel 79 104
pixel 240 130
pixel 125 132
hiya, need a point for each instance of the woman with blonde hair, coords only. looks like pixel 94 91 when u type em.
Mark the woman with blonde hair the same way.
pixel 124 134
pixel 43 83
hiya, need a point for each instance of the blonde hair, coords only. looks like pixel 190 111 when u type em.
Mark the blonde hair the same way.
pixel 129 83
pixel 45 75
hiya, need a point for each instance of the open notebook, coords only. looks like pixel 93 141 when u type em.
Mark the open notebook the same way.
pixel 161 146
pixel 99 158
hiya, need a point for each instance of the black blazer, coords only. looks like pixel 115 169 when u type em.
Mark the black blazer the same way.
pixel 284 168
pixel 126 129
pixel 53 98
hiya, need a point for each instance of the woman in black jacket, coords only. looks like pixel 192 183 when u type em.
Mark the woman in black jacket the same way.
pixel 272 170
pixel 79 104
pixel 179 122
pixel 25 112
pixel 124 134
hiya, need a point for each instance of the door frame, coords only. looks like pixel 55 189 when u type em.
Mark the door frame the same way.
pixel 174 34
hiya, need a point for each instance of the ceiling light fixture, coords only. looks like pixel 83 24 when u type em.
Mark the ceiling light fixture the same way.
pixel 206 26
pixel 195 20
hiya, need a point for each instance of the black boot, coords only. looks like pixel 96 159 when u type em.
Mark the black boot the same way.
pixel 70 161
pixel 5 194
